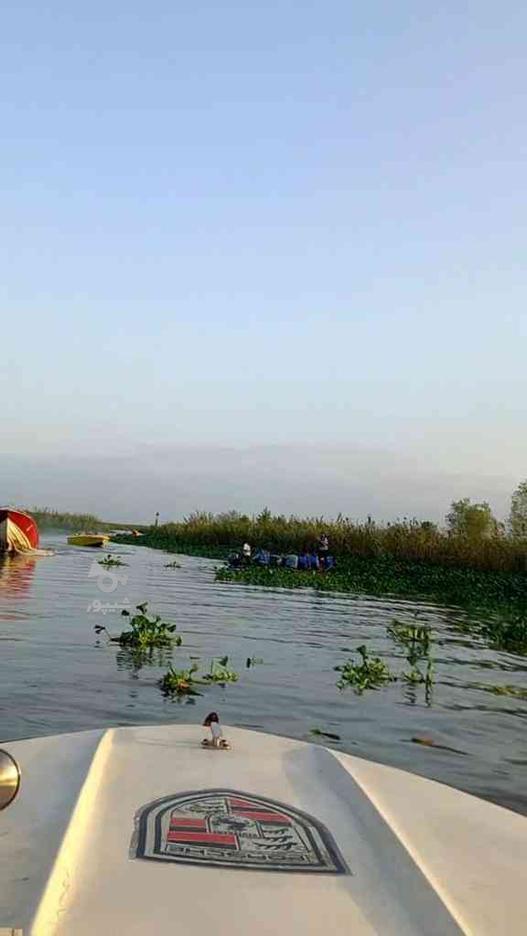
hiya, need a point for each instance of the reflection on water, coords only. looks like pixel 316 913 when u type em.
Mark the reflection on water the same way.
pixel 135 660
pixel 57 675
pixel 16 574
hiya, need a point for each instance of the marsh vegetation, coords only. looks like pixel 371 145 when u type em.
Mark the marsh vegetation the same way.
pixel 145 632
pixel 471 538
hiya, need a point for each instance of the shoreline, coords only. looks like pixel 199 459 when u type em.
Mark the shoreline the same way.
pixel 499 595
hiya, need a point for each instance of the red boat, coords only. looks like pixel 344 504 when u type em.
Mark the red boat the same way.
pixel 18 531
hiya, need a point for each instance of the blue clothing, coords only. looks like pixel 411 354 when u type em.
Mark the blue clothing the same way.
pixel 262 557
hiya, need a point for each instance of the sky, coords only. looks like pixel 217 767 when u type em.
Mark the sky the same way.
pixel 262 254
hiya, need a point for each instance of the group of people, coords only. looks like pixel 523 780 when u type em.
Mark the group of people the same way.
pixel 318 559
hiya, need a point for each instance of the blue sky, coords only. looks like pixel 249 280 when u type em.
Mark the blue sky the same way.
pixel 233 227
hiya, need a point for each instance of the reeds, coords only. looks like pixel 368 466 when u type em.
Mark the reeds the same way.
pixel 55 520
pixel 409 540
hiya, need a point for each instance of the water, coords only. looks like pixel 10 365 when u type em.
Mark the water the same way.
pixel 56 676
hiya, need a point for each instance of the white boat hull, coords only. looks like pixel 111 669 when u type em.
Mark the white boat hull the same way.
pixel 386 853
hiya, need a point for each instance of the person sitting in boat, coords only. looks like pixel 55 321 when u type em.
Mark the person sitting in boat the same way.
pixel 262 557
pixel 246 553
pixel 291 561
pixel 313 562
pixel 323 548
pixel 308 561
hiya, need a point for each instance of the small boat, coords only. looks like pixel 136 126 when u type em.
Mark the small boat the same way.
pixel 18 531
pixel 88 539
pixel 152 830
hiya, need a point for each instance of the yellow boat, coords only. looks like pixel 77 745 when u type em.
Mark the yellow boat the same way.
pixel 88 539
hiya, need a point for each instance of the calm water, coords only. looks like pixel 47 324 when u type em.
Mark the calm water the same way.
pixel 56 676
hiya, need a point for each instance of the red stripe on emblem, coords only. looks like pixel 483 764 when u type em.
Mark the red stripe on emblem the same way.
pixel 202 838
pixel 185 822
pixel 262 816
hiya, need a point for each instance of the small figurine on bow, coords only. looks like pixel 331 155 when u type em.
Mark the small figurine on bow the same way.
pixel 216 740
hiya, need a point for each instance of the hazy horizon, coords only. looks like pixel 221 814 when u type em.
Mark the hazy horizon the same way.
pixel 263 256
pixel 300 480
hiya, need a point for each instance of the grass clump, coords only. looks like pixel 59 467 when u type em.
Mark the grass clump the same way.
pixel 415 638
pixel 185 681
pixel 415 677
pixel 179 682
pixel 148 632
pixel 220 673
pixel 110 561
pixel 368 673
pixel 371 672
pixel 145 632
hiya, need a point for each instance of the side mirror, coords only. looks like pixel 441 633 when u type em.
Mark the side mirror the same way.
pixel 9 779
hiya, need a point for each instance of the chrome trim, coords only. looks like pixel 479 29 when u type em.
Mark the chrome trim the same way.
pixel 9 779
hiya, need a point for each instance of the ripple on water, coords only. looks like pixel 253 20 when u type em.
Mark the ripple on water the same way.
pixel 57 676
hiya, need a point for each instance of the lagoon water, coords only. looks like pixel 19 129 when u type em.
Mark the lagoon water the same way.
pixel 57 676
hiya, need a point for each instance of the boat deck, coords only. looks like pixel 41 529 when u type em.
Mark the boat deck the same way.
pixel 140 831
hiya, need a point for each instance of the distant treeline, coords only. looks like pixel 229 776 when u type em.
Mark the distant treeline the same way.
pixel 486 549
pixel 55 520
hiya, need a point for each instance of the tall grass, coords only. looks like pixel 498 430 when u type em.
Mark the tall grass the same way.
pixel 408 540
pixel 48 519
pixel 55 520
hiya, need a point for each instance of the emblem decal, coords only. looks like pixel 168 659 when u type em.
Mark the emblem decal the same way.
pixel 226 829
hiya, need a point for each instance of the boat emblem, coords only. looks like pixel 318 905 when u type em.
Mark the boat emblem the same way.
pixel 228 829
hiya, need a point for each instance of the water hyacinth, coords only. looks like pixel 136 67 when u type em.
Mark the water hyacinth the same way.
pixel 220 673
pixel 368 673
pixel 110 561
pixel 504 592
pixel 145 632
pixel 179 682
